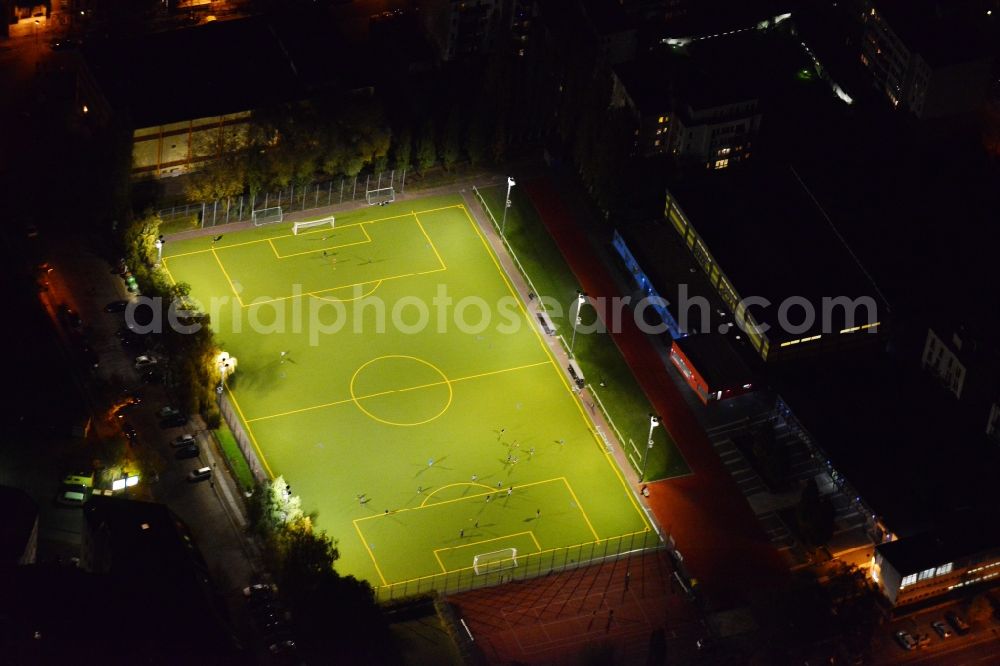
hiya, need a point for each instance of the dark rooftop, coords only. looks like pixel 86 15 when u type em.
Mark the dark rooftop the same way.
pixel 20 512
pixel 705 74
pixel 962 536
pixel 144 546
pixel 771 240
pixel 942 32
pixel 716 361
pixel 217 68
pixel 897 436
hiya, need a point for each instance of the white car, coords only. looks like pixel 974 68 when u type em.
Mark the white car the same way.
pixel 167 412
pixel 184 440
pixel 200 474
pixel 142 362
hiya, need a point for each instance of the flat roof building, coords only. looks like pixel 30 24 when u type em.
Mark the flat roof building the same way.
pixel 954 557
pixel 711 367
pixel 776 261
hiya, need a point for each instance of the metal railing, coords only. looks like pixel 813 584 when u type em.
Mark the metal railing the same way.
pixel 510 250
pixel 242 439
pixel 240 209
pixel 528 566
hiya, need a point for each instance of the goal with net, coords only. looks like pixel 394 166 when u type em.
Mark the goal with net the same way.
pixel 498 560
pixel 323 222
pixel 380 196
pixel 271 215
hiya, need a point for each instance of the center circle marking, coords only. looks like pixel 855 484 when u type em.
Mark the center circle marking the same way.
pixel 358 399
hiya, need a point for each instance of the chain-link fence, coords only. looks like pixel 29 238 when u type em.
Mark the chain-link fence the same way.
pixel 290 199
pixel 527 566
pixel 242 439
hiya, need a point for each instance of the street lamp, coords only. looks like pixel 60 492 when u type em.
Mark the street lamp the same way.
pixel 653 422
pixel 227 365
pixel 503 224
pixel 580 299
pixel 159 247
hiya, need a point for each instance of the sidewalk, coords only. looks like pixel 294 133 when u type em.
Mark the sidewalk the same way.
pixel 713 526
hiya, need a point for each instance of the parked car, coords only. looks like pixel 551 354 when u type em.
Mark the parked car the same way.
pixel 129 430
pixel 905 640
pixel 70 317
pixel 941 628
pixel 923 640
pixel 258 590
pixel 73 495
pixel 184 440
pixel 174 421
pixel 116 306
pixel 955 620
pixel 143 361
pixel 200 474
pixel 189 451
pixel 168 411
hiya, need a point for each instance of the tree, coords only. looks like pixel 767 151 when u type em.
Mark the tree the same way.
pixel 815 515
pixel 451 146
pixel 477 142
pixel 402 148
pixel 426 151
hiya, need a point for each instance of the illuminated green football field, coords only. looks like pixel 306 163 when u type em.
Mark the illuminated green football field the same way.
pixel 417 413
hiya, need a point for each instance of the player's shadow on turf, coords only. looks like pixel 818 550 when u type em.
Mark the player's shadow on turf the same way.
pixel 437 463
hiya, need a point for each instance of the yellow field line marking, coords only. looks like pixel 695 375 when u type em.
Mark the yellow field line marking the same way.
pixel 400 390
pixel 368 239
pixel 378 283
pixel 166 270
pixel 346 286
pixel 555 366
pixel 620 538
pixel 228 279
pixel 440 563
pixel 370 553
pixel 580 507
pixel 499 538
pixel 452 485
pixel 429 241
pixel 253 439
pixel 461 499
pixel 343 226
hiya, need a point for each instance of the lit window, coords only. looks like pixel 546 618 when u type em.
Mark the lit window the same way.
pixel 943 569
pixel 656 143
pixel 663 119
pixel 721 164
pixel 908 580
pixel 723 151
pixel 926 573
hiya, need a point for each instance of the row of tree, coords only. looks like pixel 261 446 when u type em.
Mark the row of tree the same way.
pixel 193 373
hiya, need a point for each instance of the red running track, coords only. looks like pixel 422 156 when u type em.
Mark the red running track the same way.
pixel 722 542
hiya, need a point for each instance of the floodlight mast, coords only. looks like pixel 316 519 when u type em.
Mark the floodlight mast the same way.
pixel 580 300
pixel 503 224
pixel 654 421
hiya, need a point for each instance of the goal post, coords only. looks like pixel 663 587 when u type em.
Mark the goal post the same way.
pixel 380 196
pixel 497 560
pixel 322 222
pixel 262 216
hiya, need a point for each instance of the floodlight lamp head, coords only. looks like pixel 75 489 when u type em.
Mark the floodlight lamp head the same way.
pixel 510 181
pixel 653 420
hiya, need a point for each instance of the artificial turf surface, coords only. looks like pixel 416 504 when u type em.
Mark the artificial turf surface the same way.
pixel 370 410
pixel 597 354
